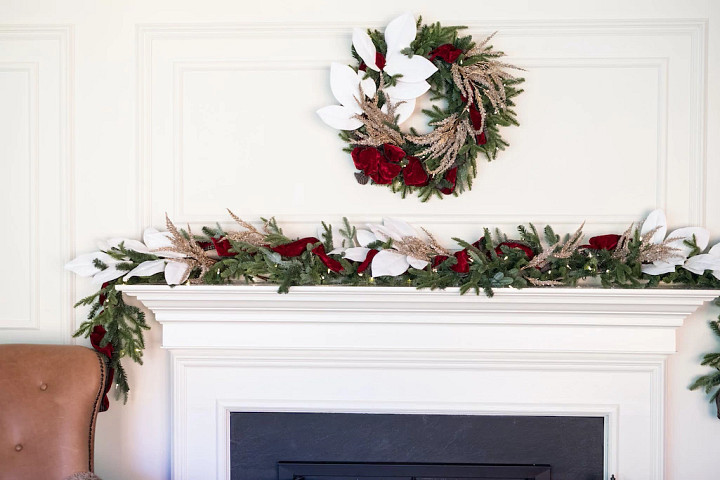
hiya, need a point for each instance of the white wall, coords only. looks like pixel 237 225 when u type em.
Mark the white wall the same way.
pixel 115 112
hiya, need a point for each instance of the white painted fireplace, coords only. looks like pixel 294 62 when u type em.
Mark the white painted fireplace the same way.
pixel 585 352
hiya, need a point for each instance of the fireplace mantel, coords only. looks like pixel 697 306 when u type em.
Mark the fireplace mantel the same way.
pixel 551 351
pixel 553 319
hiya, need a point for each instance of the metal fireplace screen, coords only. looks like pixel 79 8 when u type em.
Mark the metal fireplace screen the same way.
pixel 409 471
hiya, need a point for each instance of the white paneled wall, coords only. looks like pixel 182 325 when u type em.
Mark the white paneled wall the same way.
pixel 115 112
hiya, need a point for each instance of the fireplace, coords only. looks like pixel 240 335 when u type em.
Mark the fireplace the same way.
pixel 417 471
pixel 530 354
pixel 334 446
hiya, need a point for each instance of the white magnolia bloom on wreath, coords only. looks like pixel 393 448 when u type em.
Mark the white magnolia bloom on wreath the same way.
pixel 706 261
pixel 388 261
pixel 345 82
pixel 154 242
pixel 657 220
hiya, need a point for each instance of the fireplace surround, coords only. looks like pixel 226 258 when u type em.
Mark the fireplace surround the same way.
pixel 382 350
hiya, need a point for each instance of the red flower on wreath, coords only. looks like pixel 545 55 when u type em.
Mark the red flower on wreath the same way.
pixel 477 122
pixel 603 242
pixel 462 265
pixel 381 167
pixel 414 174
pixel 447 52
pixel 379 61
pixel 450 176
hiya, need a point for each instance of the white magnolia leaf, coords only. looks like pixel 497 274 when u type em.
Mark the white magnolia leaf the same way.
pixel 399 228
pixel 379 232
pixel 146 269
pixel 417 263
pixel 339 117
pixel 368 85
pixel 407 90
pixel 155 239
pixel 365 237
pixel 702 237
pixel 389 263
pixel 400 33
pixel 658 268
pixel 415 69
pixel 176 273
pixel 84 266
pixel 656 219
pixel 128 244
pixel 357 254
pixel 345 86
pixel 715 250
pixel 365 48
pixel 108 275
pixel 699 263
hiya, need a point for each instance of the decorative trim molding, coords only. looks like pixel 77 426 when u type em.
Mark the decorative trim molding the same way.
pixel 695 29
pixel 64 35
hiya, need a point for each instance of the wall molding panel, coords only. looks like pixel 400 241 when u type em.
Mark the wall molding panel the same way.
pixel 185 69
pixel 42 181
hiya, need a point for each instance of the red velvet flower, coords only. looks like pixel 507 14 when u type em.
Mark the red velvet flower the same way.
pixel 96 337
pixel 528 251
pixel 447 52
pixel 462 265
pixel 381 168
pixel 603 242
pixel 393 153
pixel 368 258
pixel 414 174
pixel 222 247
pixel 450 176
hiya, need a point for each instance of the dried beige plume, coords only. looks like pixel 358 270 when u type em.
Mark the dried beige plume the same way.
pixel 378 124
pixel 445 141
pixel 484 78
pixel 251 234
pixel 195 256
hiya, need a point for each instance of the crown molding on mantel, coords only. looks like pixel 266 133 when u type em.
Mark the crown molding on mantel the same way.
pixel 572 320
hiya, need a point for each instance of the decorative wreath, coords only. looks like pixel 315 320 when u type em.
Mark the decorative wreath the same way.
pixel 380 93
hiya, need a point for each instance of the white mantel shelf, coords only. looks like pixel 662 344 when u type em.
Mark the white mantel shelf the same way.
pixel 231 316
pixel 537 351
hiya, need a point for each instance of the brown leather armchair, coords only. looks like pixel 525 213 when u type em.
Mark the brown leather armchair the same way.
pixel 49 400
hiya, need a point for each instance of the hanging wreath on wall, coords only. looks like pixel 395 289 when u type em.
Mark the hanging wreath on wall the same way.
pixel 378 95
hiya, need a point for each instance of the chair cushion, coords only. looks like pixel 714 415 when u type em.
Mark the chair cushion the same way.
pixel 49 399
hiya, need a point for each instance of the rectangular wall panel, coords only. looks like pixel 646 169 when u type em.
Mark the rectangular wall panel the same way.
pixel 35 183
pixel 225 124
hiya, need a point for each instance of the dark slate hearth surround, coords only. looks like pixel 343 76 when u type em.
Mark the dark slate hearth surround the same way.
pixel 572 446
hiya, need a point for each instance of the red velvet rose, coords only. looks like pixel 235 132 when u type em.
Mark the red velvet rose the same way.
pixel 450 176
pixel 96 337
pixel 366 263
pixel 414 174
pixel 381 168
pixel 462 265
pixel 393 153
pixel 447 52
pixel 222 247
pixel 603 242
pixel 528 251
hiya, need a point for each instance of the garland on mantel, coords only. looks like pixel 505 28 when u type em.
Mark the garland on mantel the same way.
pixel 389 254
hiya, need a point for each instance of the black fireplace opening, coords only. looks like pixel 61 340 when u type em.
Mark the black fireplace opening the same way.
pixel 411 471
pixel 381 446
